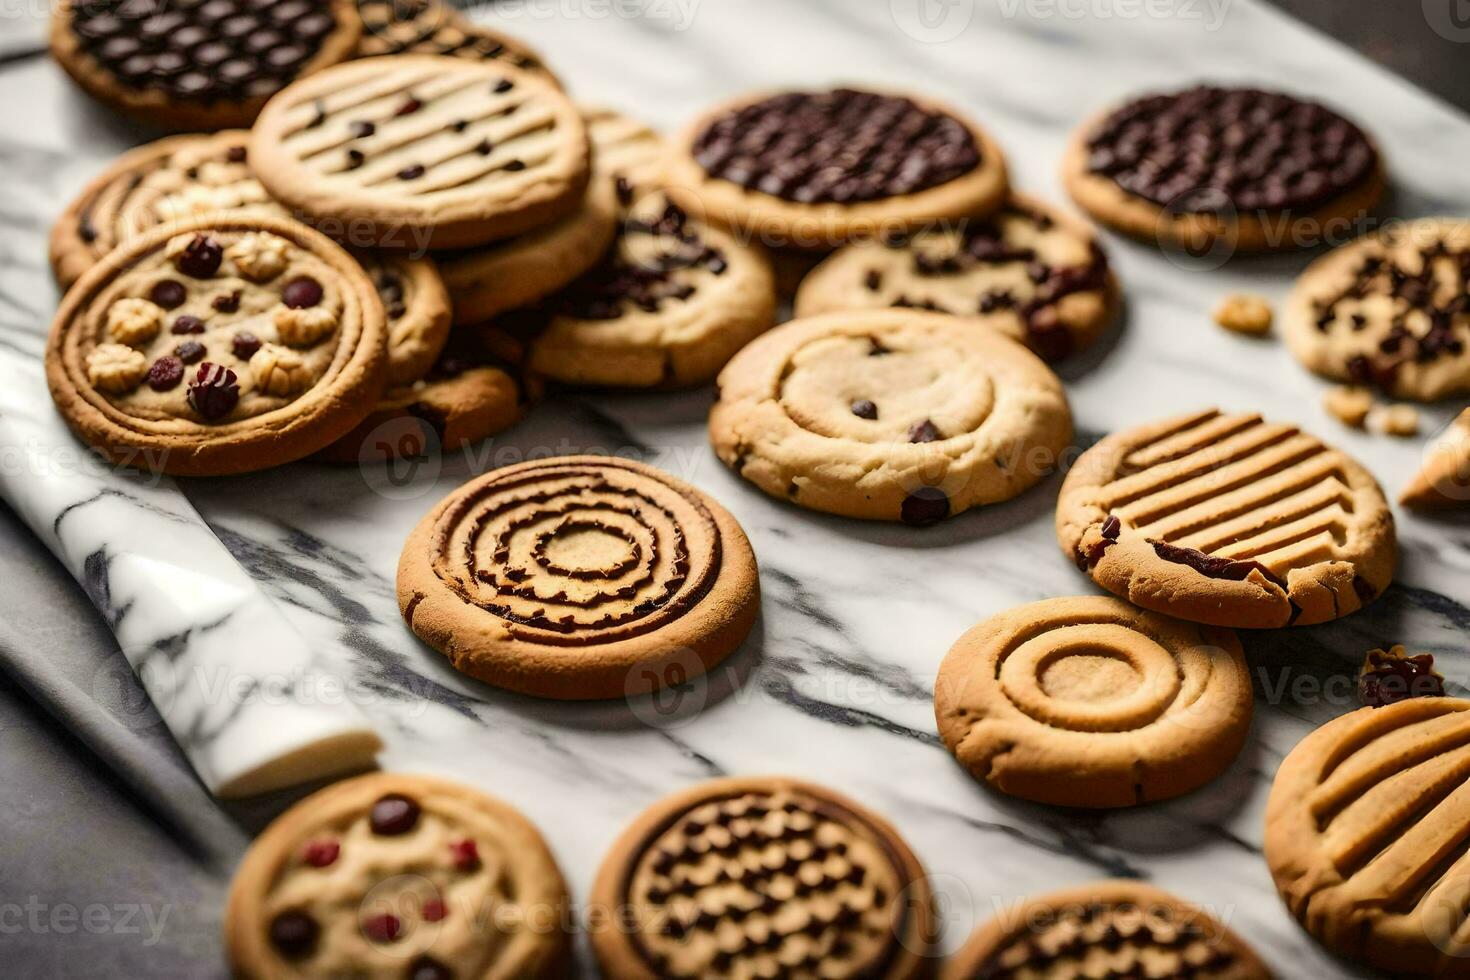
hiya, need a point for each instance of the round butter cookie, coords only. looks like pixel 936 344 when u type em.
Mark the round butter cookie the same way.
pixel 416 307
pixel 432 27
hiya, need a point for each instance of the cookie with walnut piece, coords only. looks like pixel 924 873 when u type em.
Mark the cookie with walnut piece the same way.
pixel 391 874
pixel 221 345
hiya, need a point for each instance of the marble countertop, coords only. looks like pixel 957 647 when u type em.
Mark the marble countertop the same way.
pixel 835 682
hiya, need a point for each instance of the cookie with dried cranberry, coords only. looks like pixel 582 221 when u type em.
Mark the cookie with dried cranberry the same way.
pixel 220 345
pixel 1228 169
pixel 184 64
pixel 432 27
pixel 1038 269
pixel 391 874
pixel 817 169
pixel 1389 310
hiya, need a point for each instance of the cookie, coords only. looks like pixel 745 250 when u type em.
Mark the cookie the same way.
pixel 169 180
pixel 1365 831
pixel 432 27
pixel 397 875
pixel 817 169
pixel 667 307
pixel 476 388
pixel 889 415
pixel 182 64
pixel 762 877
pixel 417 309
pixel 220 345
pixel 1230 168
pixel 1228 520
pixel 624 147
pixel 1444 479
pixel 576 576
pixel 1105 929
pixel 422 151
pixel 1391 310
pixel 1091 702
pixel 1041 272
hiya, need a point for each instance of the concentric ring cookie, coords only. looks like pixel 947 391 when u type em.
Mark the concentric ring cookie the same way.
pixel 1228 520
pixel 817 169
pixel 1092 702
pixel 1365 832
pixel 221 345
pixel 1105 929
pixel 432 27
pixel 1039 270
pixel 1391 309
pixel 762 877
pixel 889 415
pixel 563 577
pixel 182 64
pixel 1235 167
pixel 421 151
pixel 397 875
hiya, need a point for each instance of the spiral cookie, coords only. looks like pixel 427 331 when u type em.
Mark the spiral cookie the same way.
pixel 889 415
pixel 1105 929
pixel 1040 271
pixel 1093 702
pixel 816 169
pixel 182 64
pixel 432 27
pixel 1390 310
pixel 1444 479
pixel 1365 832
pixel 1236 167
pixel 762 877
pixel 578 576
pixel 395 875
pixel 421 151
pixel 1228 520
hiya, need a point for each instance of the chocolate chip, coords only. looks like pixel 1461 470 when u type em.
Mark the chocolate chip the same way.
pixel 924 431
pixel 1209 565
pixel 393 815
pixel 214 392
pixel 1391 676
pixel 168 294
pixel 236 154
pixel 355 159
pixel 515 165
pixel 873 280
pixel 244 345
pixel 503 86
pixel 302 292
pixel 459 125
pixel 294 934
pixel 924 506
pixel 428 968
pixel 412 172
pixel 876 348
pixel 165 373
pixel 1111 528
pixel 361 129
pixel 408 107
pixel 190 352
pixel 624 190
pixel 227 302
pixel 201 258
pixel 864 409
pixel 484 147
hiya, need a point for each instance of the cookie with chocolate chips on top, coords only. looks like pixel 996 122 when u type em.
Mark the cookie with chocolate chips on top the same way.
pixel 424 151
pixel 1390 310
pixel 416 306
pixel 1228 520
pixel 1039 270
pixel 1236 169
pixel 221 345
pixel 816 169
pixel 186 64
pixel 398 875
pixel 433 27
pixel 890 415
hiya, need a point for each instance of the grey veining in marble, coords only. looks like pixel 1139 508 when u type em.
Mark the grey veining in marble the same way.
pixel 835 682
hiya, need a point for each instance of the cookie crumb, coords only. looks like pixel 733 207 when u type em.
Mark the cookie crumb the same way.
pixel 1389 676
pixel 1244 313
pixel 1395 420
pixel 1349 404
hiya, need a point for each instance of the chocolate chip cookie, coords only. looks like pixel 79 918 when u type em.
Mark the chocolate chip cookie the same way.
pixel 576 576
pixel 1365 829
pixel 391 874
pixel 816 169
pixel 220 345
pixel 1444 480
pixel 762 877
pixel 186 64
pixel 422 151
pixel 1390 310
pixel 1040 271
pixel 432 27
pixel 1228 520
pixel 1105 929
pixel 1092 702
pixel 1230 168
pixel 894 415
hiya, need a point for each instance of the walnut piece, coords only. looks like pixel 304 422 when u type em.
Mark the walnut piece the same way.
pixel 1244 313
pixel 304 327
pixel 1349 404
pixel 278 371
pixel 259 255
pixel 116 368
pixel 134 321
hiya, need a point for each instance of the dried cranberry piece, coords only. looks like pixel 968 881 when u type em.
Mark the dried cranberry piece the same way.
pixel 864 409
pixel 227 302
pixel 466 854
pixel 393 814
pixel 434 910
pixel 190 352
pixel 302 292
pixel 925 505
pixel 428 968
pixel 321 853
pixel 187 324
pixel 409 107
pixel 168 294
pixel 1111 527
pixel 383 928
pixel 294 934
pixel 235 154
pixel 1390 676
pixel 214 392
pixel 201 258
pixel 165 374
pixel 245 345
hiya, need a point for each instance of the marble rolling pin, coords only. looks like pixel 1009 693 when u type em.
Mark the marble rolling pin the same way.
pixel 252 706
